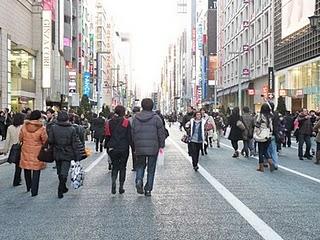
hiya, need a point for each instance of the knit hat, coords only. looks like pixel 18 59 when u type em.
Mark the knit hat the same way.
pixel 62 116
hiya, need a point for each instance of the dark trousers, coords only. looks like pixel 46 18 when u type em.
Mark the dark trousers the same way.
pixel 245 149
pixel 119 161
pixel 195 152
pixel 63 168
pixel 134 157
pixel 288 139
pixel 263 151
pixel 32 178
pixel 17 175
pixel 304 139
pixel 142 162
pixel 99 140
pixel 235 145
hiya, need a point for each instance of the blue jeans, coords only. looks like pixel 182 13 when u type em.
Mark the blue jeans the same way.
pixel 272 151
pixel 304 139
pixel 141 163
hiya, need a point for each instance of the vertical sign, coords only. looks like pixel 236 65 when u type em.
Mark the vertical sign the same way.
pixel 46 49
pixel 271 80
pixel 86 84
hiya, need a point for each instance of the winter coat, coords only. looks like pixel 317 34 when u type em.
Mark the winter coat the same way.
pixel 248 121
pixel 305 125
pixel 148 133
pixel 98 127
pixel 235 132
pixel 316 129
pixel 209 119
pixel 32 136
pixel 2 125
pixel 80 133
pixel 63 137
pixel 118 134
pixel 12 137
pixel 187 118
pixel 190 125
pixel 288 123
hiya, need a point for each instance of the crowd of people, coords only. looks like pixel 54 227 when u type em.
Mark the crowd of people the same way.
pixel 143 131
pixel 263 134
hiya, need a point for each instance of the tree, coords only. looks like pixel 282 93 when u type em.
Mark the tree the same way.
pixel 105 111
pixel 85 106
pixel 281 107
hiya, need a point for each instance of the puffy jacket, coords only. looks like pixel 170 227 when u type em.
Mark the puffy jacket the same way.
pixel 63 137
pixel 305 125
pixel 148 133
pixel 32 136
pixel 248 121
pixel 118 134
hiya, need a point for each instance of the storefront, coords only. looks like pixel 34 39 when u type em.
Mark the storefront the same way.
pixel 300 85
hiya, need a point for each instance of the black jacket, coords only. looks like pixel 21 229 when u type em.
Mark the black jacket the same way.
pixel 80 132
pixel 120 138
pixel 63 137
pixel 98 127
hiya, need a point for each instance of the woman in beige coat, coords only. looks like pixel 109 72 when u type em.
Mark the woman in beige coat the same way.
pixel 32 136
pixel 13 138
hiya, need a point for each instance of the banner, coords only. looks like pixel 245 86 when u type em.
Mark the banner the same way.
pixel 46 48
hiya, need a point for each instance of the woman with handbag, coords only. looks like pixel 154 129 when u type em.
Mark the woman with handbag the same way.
pixel 235 132
pixel 262 134
pixel 13 138
pixel 197 137
pixel 32 136
pixel 63 138
pixel 209 128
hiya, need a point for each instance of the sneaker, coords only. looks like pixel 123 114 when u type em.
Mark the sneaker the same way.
pixel 196 168
pixel 139 187
pixel 300 158
pixel 147 193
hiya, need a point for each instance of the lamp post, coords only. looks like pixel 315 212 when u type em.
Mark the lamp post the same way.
pixel 315 22
pixel 98 89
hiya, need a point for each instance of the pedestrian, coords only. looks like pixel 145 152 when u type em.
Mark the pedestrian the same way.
pixel 2 126
pixel 262 133
pixel 288 121
pixel 98 126
pixel 93 118
pixel 220 126
pixel 304 134
pixel 63 138
pixel 118 140
pixel 135 110
pixel 209 129
pixel 197 137
pixel 248 121
pixel 235 132
pixel 13 138
pixel 32 136
pixel 148 138
pixel 85 124
pixel 316 129
pixel 186 118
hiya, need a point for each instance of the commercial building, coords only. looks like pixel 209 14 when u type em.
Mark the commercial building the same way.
pixel 297 51
pixel 245 43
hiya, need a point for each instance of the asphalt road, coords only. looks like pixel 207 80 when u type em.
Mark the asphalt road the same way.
pixel 226 199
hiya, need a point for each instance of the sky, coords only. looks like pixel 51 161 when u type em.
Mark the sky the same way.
pixel 153 25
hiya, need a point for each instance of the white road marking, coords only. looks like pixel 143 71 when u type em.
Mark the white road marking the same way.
pixel 286 169
pixel 257 223
pixel 92 165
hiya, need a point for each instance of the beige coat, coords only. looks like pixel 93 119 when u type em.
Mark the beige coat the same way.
pixel 32 135
pixel 12 137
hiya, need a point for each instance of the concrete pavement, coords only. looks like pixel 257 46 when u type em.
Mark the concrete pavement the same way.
pixel 184 205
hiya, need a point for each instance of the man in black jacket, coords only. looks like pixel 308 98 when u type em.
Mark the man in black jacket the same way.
pixel 63 138
pixel 148 138
pixel 305 132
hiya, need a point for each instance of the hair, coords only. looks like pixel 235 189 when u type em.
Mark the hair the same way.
pixel 50 110
pixel 265 109
pixel 71 117
pixel 35 115
pixel 236 112
pixel 100 114
pixel 195 113
pixel 76 119
pixel 120 110
pixel 18 119
pixel 63 116
pixel 136 109
pixel 246 109
pixel 147 104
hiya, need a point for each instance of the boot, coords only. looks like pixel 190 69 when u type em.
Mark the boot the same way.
pixel 62 188
pixel 113 181
pixel 271 165
pixel 260 168
pixel 121 190
pixel 101 147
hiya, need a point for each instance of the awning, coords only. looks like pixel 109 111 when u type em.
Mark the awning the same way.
pixel 233 89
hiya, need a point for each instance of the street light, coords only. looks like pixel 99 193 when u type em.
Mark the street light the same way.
pixel 315 22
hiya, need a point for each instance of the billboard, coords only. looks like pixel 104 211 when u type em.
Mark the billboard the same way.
pixel 86 84
pixel 295 15
pixel 46 48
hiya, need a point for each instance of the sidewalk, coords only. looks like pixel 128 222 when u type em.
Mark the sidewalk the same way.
pixel 3 158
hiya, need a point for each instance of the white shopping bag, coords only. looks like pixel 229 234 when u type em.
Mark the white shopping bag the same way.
pixel 77 174
pixel 160 159
pixel 227 133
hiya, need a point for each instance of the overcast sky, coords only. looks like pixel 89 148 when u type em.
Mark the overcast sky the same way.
pixel 153 25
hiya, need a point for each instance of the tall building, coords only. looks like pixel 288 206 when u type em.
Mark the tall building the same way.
pixel 245 43
pixel 297 54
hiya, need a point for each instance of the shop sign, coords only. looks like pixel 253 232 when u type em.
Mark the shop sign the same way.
pixel 251 92
pixel 193 40
pixel 46 49
pixel 299 93
pixel 23 100
pixel 283 92
pixel 86 84
pixel 246 72
pixel 271 79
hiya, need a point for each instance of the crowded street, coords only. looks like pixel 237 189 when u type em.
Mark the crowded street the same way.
pixel 225 199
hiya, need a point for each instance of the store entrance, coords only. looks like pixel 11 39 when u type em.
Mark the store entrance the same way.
pixel 296 104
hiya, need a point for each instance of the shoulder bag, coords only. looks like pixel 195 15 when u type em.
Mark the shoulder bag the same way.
pixel 46 153
pixel 14 154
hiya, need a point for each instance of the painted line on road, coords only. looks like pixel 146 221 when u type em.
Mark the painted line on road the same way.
pixel 257 223
pixel 92 165
pixel 285 168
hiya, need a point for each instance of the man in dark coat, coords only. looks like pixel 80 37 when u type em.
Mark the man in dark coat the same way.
pixel 305 132
pixel 63 138
pixel 148 137
pixel 98 127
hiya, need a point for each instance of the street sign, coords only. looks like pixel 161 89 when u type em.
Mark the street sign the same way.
pixel 246 72
pixel 251 92
pixel 283 92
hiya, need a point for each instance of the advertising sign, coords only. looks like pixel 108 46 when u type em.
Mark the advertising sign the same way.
pixel 271 80
pixel 295 15
pixel 283 92
pixel 46 48
pixel 251 92
pixel 86 83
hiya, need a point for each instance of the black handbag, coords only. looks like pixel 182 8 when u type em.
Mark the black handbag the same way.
pixel 15 153
pixel 46 153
